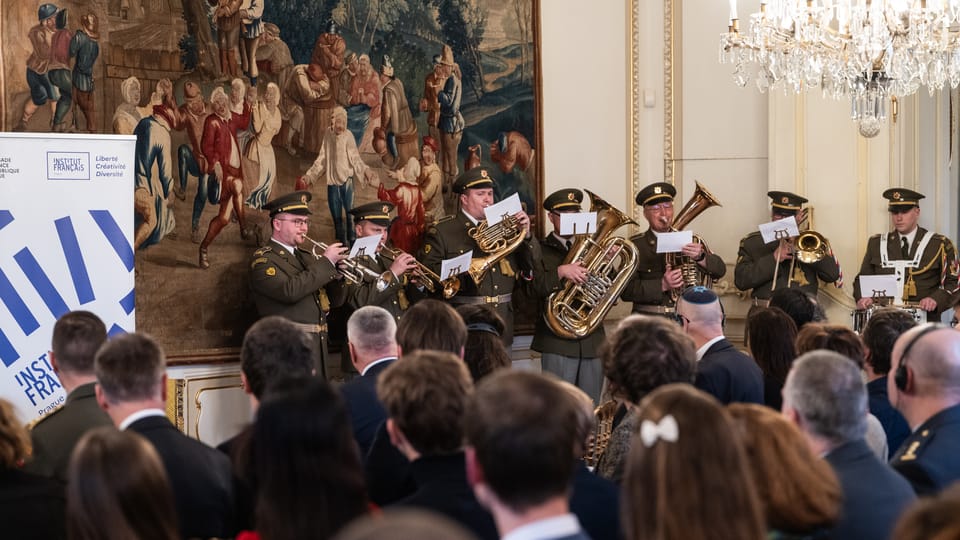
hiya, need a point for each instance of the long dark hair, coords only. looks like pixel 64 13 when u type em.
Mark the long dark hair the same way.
pixel 304 462
pixel 484 351
pixel 771 338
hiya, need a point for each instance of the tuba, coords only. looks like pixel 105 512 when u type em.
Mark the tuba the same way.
pixel 689 269
pixel 577 310
pixel 498 240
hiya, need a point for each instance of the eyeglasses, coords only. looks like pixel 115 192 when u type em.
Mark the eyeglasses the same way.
pixel 680 318
pixel 299 222
pixel 659 207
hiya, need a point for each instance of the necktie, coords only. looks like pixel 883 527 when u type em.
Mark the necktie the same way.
pixel 568 243
pixel 904 248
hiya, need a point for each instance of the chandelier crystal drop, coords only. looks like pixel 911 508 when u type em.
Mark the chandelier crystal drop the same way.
pixel 867 50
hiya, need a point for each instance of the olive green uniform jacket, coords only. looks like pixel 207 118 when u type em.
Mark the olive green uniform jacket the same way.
pixel 756 265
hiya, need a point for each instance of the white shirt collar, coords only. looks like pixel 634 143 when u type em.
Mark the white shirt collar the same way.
pixel 291 249
pixel 911 236
pixel 562 240
pixel 554 527
pixel 474 221
pixel 140 415
pixel 375 362
pixel 706 346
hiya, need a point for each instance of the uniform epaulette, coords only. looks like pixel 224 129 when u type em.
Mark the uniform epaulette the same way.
pixel 916 442
pixel 262 250
pixel 442 220
pixel 36 421
pixel 878 235
pixel 752 234
pixel 258 260
pixel 638 236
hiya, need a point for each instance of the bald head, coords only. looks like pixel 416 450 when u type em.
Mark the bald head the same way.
pixel 930 355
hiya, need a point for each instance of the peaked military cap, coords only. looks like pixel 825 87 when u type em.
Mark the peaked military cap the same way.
pixel 475 178
pixel 564 199
pixel 378 212
pixel 291 203
pixel 655 193
pixel 902 199
pixel 785 202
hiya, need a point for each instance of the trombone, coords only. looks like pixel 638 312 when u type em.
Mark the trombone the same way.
pixel 352 269
pixel 428 278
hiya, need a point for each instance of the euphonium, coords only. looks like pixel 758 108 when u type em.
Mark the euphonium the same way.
pixel 577 310
pixel 428 278
pixel 689 269
pixel 353 270
pixel 497 240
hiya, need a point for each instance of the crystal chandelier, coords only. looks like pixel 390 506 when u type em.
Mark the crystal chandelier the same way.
pixel 870 50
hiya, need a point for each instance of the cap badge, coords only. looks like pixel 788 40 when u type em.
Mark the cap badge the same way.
pixel 303 199
pixel 386 209
pixel 784 200
pixel 571 196
pixel 896 195
pixel 483 173
pixel 658 190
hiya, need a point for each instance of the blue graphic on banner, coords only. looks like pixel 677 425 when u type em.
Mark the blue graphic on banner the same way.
pixel 41 283
pixel 74 257
pixel 6 217
pixel 114 330
pixel 8 354
pixel 115 236
pixel 18 308
pixel 38 380
pixel 128 302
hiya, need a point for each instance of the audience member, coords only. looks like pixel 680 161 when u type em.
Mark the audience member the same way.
pixel 594 500
pixel 799 492
pixel 825 397
pixel 425 396
pixel 484 351
pixel 925 388
pixel 879 335
pixel 803 308
pixel 371 337
pixel 31 506
pixel 132 389
pixel 404 524
pixel 118 489
pixel 722 371
pixel 932 518
pixel 771 337
pixel 304 463
pixel 433 325
pixel 642 354
pixel 665 495
pixel 521 431
pixel 76 337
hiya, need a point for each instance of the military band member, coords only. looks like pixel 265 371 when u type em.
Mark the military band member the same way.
pixel 573 360
pixel 449 238
pixel 654 287
pixel 374 219
pixel 288 281
pixel 934 260
pixel 757 260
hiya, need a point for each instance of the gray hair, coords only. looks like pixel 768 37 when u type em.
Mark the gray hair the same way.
pixel 827 391
pixel 372 329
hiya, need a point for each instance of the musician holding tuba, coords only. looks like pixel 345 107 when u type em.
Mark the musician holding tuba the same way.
pixel 461 232
pixel 927 260
pixel 759 262
pixel 293 283
pixel 656 284
pixel 573 360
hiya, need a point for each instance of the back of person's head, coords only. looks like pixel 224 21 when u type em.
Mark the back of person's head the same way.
pixel 14 439
pixel 372 331
pixel 800 306
pixel 130 367
pixel 431 325
pixel 425 395
pixel 701 308
pixel 644 353
pixel 931 518
pixel 523 430
pixel 118 489
pixel 687 475
pixel 881 332
pixel 799 491
pixel 484 351
pixel 76 337
pixel 304 463
pixel 831 337
pixel 771 338
pixel 929 359
pixel 586 418
pixel 405 524
pixel 273 348
pixel 827 392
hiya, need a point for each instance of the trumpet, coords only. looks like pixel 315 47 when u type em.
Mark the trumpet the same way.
pixel 426 277
pixel 352 269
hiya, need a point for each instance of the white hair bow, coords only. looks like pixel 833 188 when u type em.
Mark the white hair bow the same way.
pixel 666 429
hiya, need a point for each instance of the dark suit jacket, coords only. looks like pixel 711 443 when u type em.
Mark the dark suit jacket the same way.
pixel 55 436
pixel 596 503
pixel 199 477
pixel 31 507
pixel 928 458
pixel 442 487
pixel 387 471
pixel 729 375
pixel 366 411
pixel 894 425
pixel 874 495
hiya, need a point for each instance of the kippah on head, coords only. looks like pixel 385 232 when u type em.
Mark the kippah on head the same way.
pixel 699 295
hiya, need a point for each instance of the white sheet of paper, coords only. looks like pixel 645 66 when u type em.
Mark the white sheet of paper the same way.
pixel 885 284
pixel 578 223
pixel 366 246
pixel 508 206
pixel 456 265
pixel 672 242
pixel 781 228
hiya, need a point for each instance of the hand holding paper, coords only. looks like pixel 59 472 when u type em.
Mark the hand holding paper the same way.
pixel 507 207
pixel 456 265
pixel 774 231
pixel 673 242
pixel 365 246
pixel 578 223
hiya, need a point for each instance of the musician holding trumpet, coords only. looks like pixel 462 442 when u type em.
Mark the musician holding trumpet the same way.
pixel 293 283
pixel 656 285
